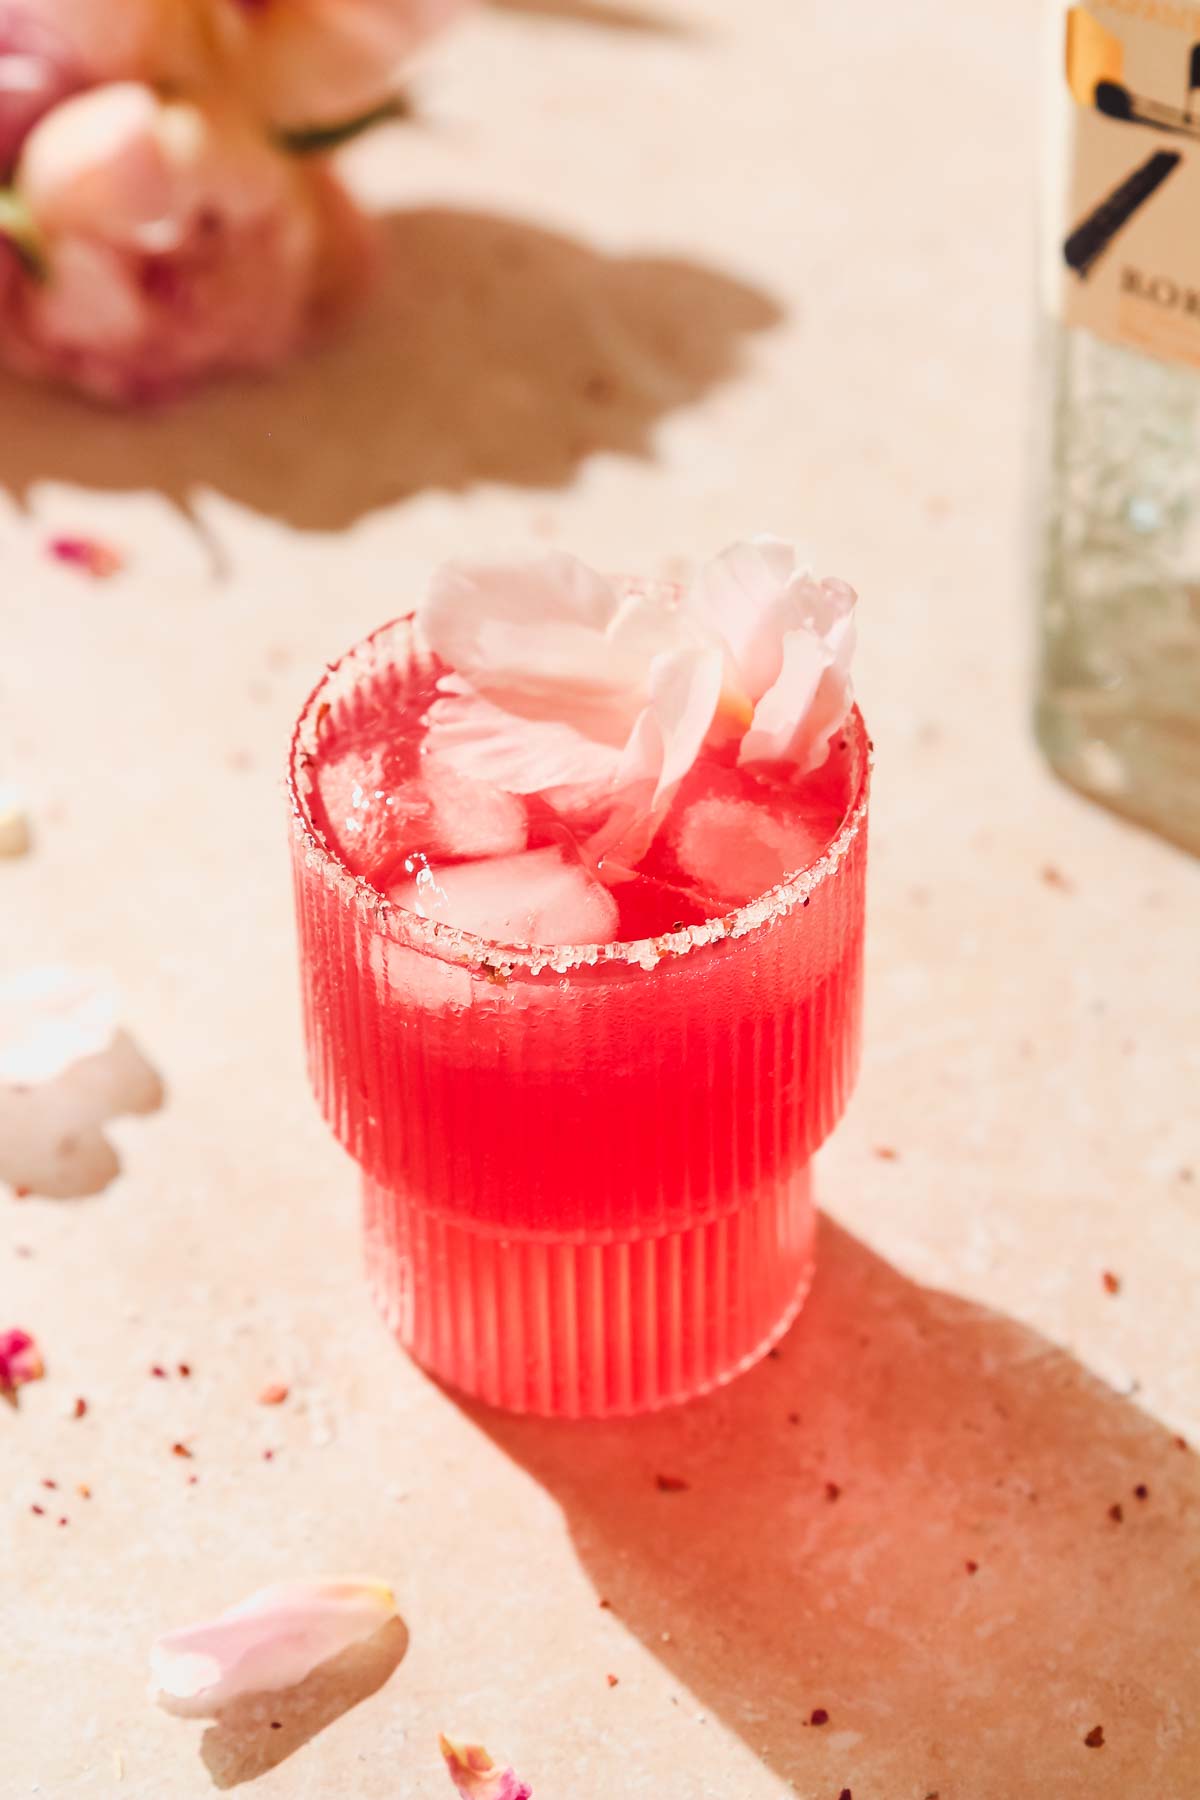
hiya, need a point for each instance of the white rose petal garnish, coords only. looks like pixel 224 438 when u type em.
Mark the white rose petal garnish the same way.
pixel 600 695
pixel 562 679
pixel 266 1644
pixel 789 642
pixel 50 1018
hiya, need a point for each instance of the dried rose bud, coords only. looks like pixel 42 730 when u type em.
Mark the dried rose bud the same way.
pixel 20 1361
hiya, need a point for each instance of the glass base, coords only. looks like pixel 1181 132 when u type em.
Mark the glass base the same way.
pixel 1145 769
pixel 578 1329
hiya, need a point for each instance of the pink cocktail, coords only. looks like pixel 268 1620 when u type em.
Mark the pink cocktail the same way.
pixel 583 1068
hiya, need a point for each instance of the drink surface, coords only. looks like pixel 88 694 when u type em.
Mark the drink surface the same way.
pixel 556 870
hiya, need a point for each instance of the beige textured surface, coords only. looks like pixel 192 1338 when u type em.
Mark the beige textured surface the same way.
pixel 767 269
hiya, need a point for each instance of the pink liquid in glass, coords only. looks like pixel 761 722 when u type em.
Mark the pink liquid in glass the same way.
pixel 586 1164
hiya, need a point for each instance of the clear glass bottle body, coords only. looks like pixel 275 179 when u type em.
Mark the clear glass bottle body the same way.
pixel 1118 692
pixel 1118 710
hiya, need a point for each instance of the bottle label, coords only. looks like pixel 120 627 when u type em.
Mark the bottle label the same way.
pixel 1129 249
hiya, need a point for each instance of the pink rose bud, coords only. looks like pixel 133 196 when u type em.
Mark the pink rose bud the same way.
pixel 328 61
pixel 167 42
pixel 177 243
pixel 37 68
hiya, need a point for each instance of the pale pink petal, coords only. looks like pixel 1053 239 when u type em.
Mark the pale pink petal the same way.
pixel 38 68
pixel 121 164
pixel 161 40
pixel 96 162
pixel 739 594
pixel 568 685
pixel 51 1017
pixel 600 696
pixel 685 686
pixel 66 1069
pixel 267 1643
pixel 484 742
pixel 813 694
pixel 20 1361
pixel 90 301
pixel 526 633
pixel 781 714
pixel 477 1777
pixel 178 243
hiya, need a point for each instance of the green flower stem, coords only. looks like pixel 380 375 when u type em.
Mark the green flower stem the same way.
pixel 318 140
pixel 16 224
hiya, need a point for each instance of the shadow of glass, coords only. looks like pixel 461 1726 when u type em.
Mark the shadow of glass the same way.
pixel 259 1731
pixel 492 350
pixel 902 1520
pixel 609 15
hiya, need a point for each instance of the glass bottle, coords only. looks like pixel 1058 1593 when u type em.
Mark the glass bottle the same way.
pixel 1118 707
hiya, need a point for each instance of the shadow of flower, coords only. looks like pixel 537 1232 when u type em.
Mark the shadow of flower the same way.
pixel 492 350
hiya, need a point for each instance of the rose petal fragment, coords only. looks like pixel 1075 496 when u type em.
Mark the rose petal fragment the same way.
pixel 95 558
pixel 20 1361
pixel 483 742
pixel 66 1069
pixel 789 642
pixel 51 1017
pixel 477 1777
pixel 811 696
pixel 269 1642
